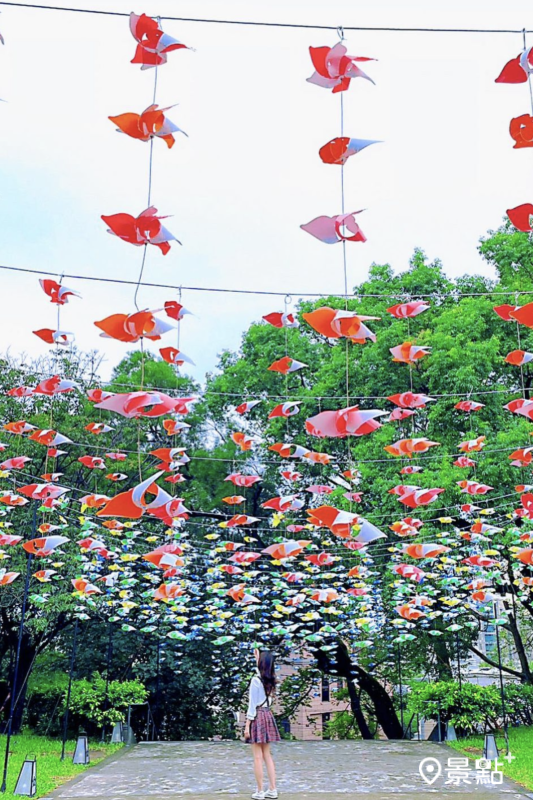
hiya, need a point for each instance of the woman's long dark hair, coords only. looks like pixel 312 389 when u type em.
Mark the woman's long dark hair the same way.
pixel 265 666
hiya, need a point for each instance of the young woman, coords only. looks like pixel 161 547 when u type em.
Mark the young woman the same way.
pixel 260 728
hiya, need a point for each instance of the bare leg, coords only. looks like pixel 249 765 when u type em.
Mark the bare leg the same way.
pixel 269 763
pixel 258 766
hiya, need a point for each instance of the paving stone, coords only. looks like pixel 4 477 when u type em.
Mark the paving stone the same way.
pixel 314 770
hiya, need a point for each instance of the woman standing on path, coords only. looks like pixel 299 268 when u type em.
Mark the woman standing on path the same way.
pixel 260 728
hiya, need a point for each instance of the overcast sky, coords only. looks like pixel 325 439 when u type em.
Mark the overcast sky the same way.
pixel 249 174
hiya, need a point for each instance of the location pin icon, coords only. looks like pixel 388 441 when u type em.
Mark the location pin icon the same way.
pixel 430 769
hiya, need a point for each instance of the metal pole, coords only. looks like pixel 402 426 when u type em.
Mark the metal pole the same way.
pixel 108 670
pixel 458 660
pixel 502 690
pixel 157 685
pixel 401 687
pixel 439 724
pixel 16 667
pixel 70 677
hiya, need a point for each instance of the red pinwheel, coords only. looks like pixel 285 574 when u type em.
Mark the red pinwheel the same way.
pixel 150 124
pixel 153 43
pixel 57 293
pixel 334 69
pixel 517 69
pixel 345 422
pixel 330 230
pixel 142 230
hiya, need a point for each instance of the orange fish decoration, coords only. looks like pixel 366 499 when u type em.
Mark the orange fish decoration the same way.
pixel 408 310
pixel 519 357
pixel 57 293
pixel 473 445
pixel 286 365
pixel 51 336
pixel 335 323
pixel 234 500
pixel 151 123
pixel 173 356
pixel 242 440
pixel 168 591
pixel 7 577
pixel 409 447
pixel 408 353
pixel 19 427
pixel 131 328
pixel 44 546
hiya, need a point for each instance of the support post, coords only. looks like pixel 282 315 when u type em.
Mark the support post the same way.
pixel 69 690
pixel 17 665
pixel 108 670
pixel 502 690
pixel 401 687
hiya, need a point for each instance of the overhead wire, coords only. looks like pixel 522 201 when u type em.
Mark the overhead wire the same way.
pixel 267 24
pixel 357 295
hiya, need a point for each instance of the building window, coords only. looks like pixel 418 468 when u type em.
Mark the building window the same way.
pixel 325 719
pixel 325 689
pixel 286 726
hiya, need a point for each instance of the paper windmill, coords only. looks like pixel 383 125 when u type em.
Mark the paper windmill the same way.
pixel 517 69
pixel 339 150
pixel 336 323
pixel 153 44
pixel 152 123
pixel 57 293
pixel 408 310
pixel 142 230
pixel 281 320
pixel 346 422
pixel 330 229
pixel 520 216
pixel 334 68
pixel 521 130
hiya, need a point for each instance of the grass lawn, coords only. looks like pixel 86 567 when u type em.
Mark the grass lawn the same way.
pixel 520 745
pixel 51 772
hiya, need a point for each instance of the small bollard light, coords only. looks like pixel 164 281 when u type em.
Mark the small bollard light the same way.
pixel 451 736
pixel 116 736
pixel 490 750
pixel 81 753
pixel 27 779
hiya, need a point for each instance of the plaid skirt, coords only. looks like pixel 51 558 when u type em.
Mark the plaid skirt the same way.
pixel 263 728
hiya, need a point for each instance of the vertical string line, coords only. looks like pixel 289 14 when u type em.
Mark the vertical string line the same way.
pixel 149 198
pixel 528 74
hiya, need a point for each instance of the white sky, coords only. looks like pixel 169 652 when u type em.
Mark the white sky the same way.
pixel 249 174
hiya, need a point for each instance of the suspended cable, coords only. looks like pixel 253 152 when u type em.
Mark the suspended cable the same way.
pixel 256 23
pixel 453 293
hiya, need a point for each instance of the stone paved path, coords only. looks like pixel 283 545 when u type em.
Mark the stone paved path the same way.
pixel 313 770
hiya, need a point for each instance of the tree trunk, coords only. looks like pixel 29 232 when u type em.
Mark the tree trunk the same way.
pixel 27 656
pixel 382 702
pixel 512 627
pixel 443 664
pixel 357 711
